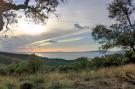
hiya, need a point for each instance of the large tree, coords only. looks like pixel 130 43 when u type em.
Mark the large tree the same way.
pixel 37 10
pixel 122 32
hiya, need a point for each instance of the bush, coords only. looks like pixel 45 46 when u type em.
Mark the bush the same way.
pixel 55 85
pixel 98 62
pixel 7 86
pixel 33 82
pixel 83 63
pixel 37 79
pixel 109 60
pixel 35 65
pixel 131 56
pixel 29 67
pixel 82 59
pixel 26 85
pixel 67 68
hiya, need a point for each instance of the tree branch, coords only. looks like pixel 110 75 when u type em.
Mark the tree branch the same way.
pixel 26 2
pixel 9 6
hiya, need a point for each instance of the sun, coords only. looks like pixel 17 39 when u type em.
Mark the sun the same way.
pixel 30 28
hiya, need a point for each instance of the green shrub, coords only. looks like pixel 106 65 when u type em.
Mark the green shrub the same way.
pixel 26 85
pixel 83 64
pixel 7 86
pixel 67 68
pixel 35 65
pixel 37 79
pixel 55 85
pixel 131 56
pixel 109 60
pixel 82 59
pixel 28 67
pixel 99 62
pixel 3 71
pixel 33 82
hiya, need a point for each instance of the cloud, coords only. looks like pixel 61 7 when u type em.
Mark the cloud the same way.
pixel 45 43
pixel 78 26
pixel 58 38
pixel 52 41
pixel 55 36
pixel 66 30
pixel 70 40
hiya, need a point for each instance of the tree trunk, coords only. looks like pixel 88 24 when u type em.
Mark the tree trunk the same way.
pixel 133 48
pixel 1 22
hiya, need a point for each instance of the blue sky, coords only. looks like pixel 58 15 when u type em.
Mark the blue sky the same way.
pixel 70 32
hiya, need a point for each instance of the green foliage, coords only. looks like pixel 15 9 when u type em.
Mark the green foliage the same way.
pixel 55 85
pixel 35 65
pixel 26 85
pixel 33 82
pixel 29 67
pixel 82 59
pixel 109 60
pixel 57 61
pixel 98 62
pixel 37 10
pixel 38 78
pixel 67 68
pixel 83 63
pixel 7 86
pixel 32 74
pixel 122 33
pixel 131 56
pixel 79 64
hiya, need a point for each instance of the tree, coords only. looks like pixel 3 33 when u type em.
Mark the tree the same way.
pixel 37 10
pixel 122 33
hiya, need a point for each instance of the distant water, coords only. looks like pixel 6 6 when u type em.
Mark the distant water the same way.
pixel 70 55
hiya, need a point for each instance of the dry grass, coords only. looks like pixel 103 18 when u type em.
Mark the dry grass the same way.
pixel 106 78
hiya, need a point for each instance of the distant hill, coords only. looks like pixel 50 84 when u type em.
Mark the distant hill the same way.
pixel 8 58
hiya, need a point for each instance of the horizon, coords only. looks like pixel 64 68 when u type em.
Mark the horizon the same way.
pixel 65 51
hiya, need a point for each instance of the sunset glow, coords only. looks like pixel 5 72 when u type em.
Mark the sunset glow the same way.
pixel 56 50
pixel 31 28
pixel 71 31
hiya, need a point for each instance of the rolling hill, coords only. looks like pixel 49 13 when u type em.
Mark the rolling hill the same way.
pixel 9 58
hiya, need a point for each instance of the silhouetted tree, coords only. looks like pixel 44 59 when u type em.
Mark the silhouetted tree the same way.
pixel 37 10
pixel 122 33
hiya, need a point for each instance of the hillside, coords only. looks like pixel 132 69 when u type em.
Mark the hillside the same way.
pixel 8 58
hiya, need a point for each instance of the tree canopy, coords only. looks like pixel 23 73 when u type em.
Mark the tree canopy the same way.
pixel 122 32
pixel 37 10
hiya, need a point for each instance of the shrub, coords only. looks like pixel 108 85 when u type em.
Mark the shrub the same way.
pixel 35 65
pixel 98 62
pixel 37 79
pixel 3 71
pixel 8 86
pixel 109 60
pixel 67 68
pixel 26 85
pixel 22 69
pixel 33 82
pixel 28 67
pixel 55 85
pixel 131 56
pixel 83 64
pixel 82 59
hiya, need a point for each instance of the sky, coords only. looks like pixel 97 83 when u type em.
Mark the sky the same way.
pixel 70 32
